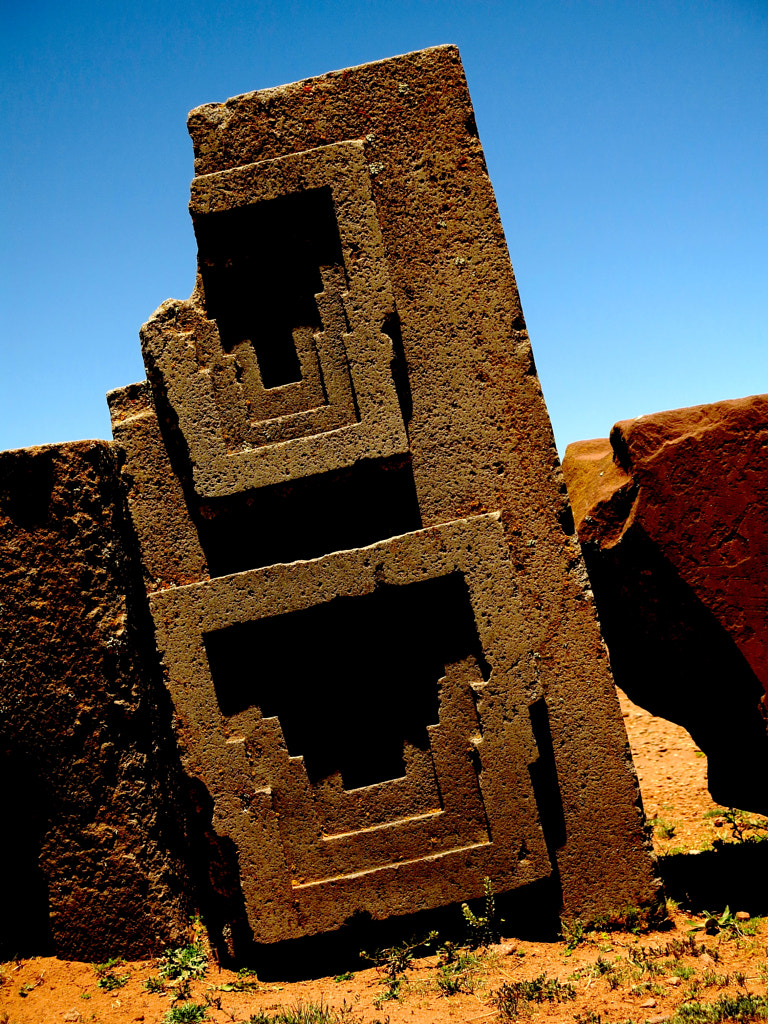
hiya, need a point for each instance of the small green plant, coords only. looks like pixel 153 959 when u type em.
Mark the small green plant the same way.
pixel 745 826
pixel 662 828
pixel 182 989
pixel 457 973
pixel 683 971
pixel 743 1007
pixel 309 1013
pixel 588 1018
pixel 631 919
pixel 514 995
pixel 212 1000
pixel 726 924
pixel 751 926
pixel 711 979
pixel 109 980
pixel 601 966
pixel 688 946
pixel 646 959
pixel 483 930
pixel 649 988
pixel 154 984
pixel 183 963
pixel 676 949
pixel 246 981
pixel 392 963
pixel 573 933
pixel 187 1013
pixel 345 976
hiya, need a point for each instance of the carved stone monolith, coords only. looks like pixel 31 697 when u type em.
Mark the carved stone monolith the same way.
pixel 356 540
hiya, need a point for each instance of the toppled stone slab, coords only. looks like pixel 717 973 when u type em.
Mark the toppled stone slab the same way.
pixel 671 514
pixel 88 857
pixel 355 538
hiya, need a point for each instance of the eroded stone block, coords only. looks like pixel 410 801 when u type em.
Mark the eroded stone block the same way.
pixel 671 515
pixel 374 627
pixel 92 850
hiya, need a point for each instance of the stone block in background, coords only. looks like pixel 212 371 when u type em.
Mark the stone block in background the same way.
pixel 672 515
pixel 343 476
pixel 91 855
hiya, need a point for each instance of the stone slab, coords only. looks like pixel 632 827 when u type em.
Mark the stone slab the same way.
pixel 671 515
pixel 91 858
pixel 349 408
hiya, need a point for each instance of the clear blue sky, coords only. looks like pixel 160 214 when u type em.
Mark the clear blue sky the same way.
pixel 626 142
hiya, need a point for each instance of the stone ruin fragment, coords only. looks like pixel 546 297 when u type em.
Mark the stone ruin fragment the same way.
pixel 344 664
pixel 671 516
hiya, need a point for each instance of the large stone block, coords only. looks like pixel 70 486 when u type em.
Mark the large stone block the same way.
pixel 91 857
pixel 671 514
pixel 356 540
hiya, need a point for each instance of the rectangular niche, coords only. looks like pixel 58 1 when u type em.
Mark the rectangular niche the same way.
pixel 287 362
pixel 261 270
pixel 364 681
pixel 361 722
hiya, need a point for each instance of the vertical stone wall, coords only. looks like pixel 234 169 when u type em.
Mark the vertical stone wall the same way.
pixel 91 812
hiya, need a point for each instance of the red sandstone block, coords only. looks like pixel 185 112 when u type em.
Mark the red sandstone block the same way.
pixel 671 514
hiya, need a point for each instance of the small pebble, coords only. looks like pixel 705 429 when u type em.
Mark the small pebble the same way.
pixel 506 948
pixel 673 981
pixel 648 1004
pixel 742 915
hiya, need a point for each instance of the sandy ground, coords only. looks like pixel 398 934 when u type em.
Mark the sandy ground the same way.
pixel 604 978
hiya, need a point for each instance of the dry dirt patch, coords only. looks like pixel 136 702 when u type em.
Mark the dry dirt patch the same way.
pixel 604 978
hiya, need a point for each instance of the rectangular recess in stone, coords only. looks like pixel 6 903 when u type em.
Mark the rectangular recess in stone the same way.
pixel 280 365
pixel 260 266
pixel 380 657
pixel 264 687
pixel 354 507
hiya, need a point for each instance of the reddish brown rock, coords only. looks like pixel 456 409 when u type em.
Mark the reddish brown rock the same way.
pixel 89 810
pixel 671 514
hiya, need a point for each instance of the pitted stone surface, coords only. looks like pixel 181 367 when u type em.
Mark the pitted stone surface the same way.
pixel 374 623
pixel 463 807
pixel 241 431
pixel 90 817
pixel 671 514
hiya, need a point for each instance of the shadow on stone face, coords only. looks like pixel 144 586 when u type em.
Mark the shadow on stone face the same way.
pixel 26 486
pixel 671 656
pixel 24 923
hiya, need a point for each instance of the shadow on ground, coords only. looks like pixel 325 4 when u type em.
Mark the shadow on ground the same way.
pixel 731 875
pixel 530 913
